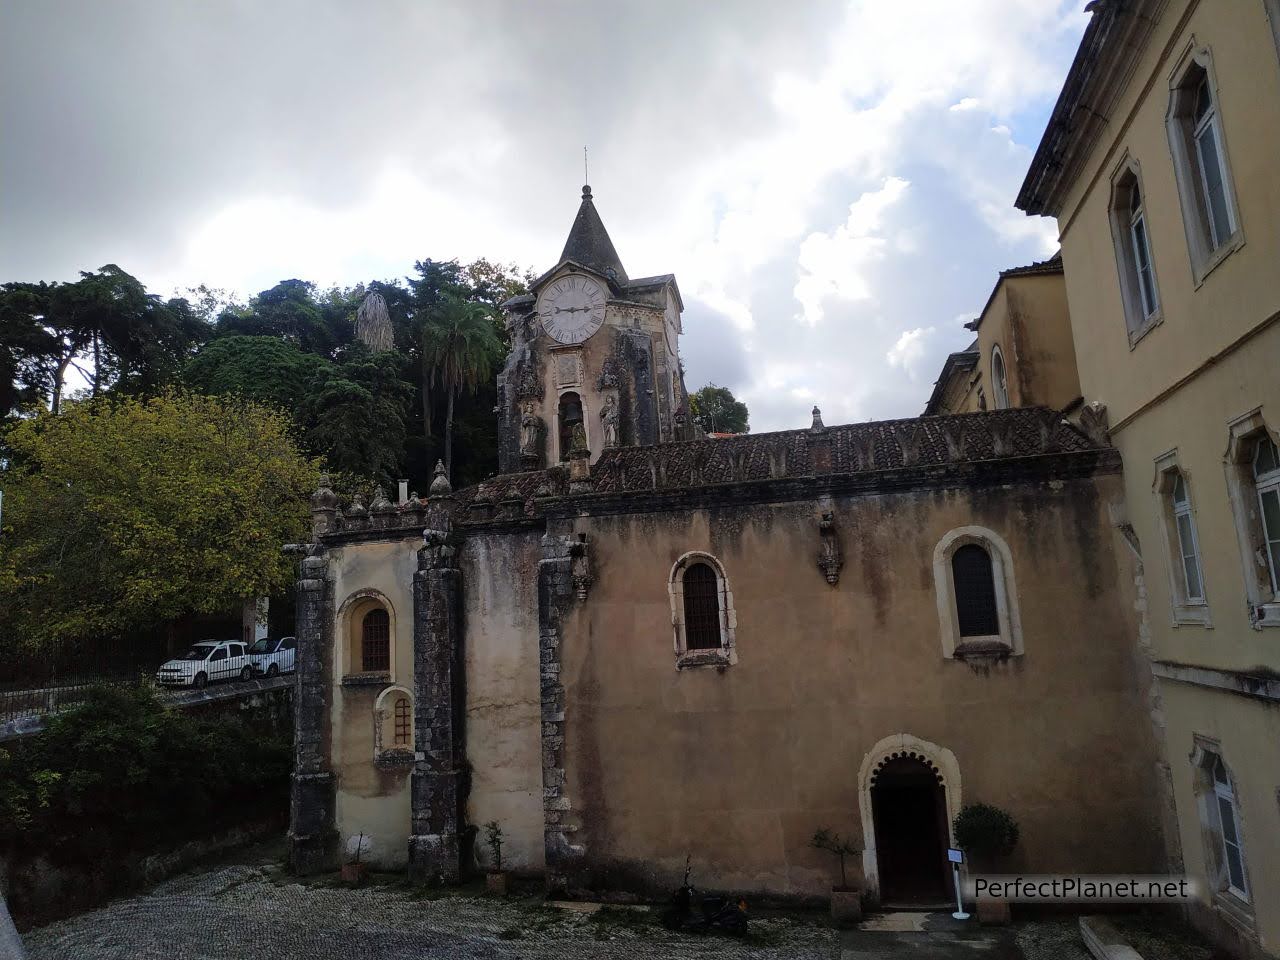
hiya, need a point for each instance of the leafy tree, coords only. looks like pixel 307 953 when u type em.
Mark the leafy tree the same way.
pixel 717 410
pixel 459 349
pixel 355 413
pixel 105 326
pixel 266 369
pixel 124 512
pixel 291 311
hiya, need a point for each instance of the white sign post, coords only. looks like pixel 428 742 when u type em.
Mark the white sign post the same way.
pixel 957 857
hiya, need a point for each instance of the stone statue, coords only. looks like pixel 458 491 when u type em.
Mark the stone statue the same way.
pixel 530 431
pixel 609 418
pixel 578 438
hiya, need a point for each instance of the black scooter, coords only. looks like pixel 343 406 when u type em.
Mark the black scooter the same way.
pixel 716 913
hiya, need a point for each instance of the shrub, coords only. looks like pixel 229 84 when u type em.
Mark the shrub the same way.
pixel 982 830
pixel 122 773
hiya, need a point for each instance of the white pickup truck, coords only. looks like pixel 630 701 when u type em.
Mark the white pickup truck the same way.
pixel 206 662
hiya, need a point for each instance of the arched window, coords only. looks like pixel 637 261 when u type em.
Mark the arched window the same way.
pixel 1132 238
pixel 702 613
pixel 975 586
pixel 1200 162
pixel 403 722
pixel 999 380
pixel 1253 482
pixel 701 607
pixel 1223 833
pixel 375 642
pixel 1188 548
pixel 1266 482
pixel 1224 795
pixel 976 596
pixel 570 420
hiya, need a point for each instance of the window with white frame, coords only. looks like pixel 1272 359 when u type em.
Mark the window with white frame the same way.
pixel 1266 482
pixel 976 596
pixel 1186 570
pixel 1228 822
pixel 702 614
pixel 1132 238
pixel 999 380
pixel 1200 159
pixel 1253 483
pixel 1188 546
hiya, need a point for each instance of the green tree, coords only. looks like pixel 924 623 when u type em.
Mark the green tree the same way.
pixel 123 513
pixel 459 350
pixel 267 369
pixel 354 412
pixel 290 311
pixel 717 410
pixel 105 326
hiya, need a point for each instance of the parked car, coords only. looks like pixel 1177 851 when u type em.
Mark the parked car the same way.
pixel 273 656
pixel 206 662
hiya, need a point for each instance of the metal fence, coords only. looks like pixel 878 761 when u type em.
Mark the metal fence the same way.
pixel 51 678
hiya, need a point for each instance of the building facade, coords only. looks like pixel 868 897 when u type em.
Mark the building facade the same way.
pixel 1158 164
pixel 1023 354
pixel 665 649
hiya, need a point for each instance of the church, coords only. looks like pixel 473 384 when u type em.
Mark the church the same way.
pixel 637 645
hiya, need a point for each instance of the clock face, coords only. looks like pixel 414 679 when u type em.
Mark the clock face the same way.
pixel 572 308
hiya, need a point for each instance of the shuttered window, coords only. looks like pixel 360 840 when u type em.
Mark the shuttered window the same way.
pixel 403 721
pixel 375 642
pixel 701 608
pixel 975 590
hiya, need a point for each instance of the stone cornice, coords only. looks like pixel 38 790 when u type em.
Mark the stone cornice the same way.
pixel 1243 683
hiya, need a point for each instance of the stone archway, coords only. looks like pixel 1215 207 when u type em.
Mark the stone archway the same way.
pixel 937 761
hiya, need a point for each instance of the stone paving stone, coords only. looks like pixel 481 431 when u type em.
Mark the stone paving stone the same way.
pixel 255 912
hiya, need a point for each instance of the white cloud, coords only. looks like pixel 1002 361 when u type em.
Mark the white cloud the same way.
pixel 909 351
pixel 835 264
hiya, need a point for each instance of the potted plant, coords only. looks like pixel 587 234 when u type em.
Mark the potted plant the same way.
pixel 354 870
pixel 846 901
pixel 986 834
pixel 495 880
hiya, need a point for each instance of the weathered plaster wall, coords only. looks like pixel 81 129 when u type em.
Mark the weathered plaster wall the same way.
pixel 371 798
pixel 738 767
pixel 500 651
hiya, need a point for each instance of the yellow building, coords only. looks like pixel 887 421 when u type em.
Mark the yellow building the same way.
pixel 1159 163
pixel 1023 355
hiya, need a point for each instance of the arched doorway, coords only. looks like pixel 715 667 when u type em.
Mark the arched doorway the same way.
pixel 909 794
pixel 909 808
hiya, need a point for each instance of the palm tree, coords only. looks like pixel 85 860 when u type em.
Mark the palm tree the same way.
pixel 459 349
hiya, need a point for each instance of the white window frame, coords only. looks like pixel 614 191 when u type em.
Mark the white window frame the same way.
pixel 1246 507
pixel 999 378
pixel 1186 609
pixel 1262 485
pixel 1204 247
pixel 1142 313
pixel 1209 124
pixel 1234 900
pixel 727 653
pixel 1223 791
pixel 1008 642
pixel 384 721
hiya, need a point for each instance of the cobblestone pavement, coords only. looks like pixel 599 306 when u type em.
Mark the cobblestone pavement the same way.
pixel 255 912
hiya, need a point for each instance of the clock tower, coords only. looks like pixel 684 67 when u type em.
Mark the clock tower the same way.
pixel 595 359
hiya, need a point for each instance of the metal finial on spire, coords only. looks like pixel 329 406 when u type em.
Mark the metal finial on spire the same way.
pixel 586 176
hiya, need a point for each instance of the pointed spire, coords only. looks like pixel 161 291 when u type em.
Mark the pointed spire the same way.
pixel 589 242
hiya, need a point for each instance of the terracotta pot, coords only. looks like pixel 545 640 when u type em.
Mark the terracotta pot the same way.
pixel 846 905
pixel 993 912
pixel 354 873
pixel 496 883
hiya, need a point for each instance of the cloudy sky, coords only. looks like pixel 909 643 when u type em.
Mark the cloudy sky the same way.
pixel 832 181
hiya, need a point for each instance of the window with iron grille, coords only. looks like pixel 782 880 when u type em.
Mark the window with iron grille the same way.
pixel 701 608
pixel 375 642
pixel 975 591
pixel 403 721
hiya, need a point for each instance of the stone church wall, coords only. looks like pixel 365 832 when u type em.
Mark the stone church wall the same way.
pixel 737 766
pixel 503 706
